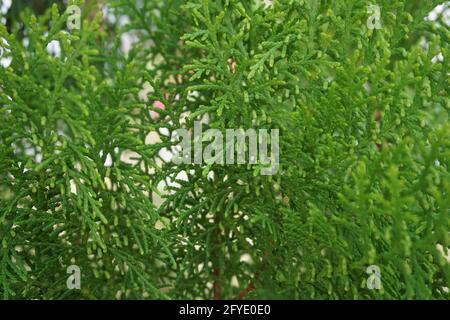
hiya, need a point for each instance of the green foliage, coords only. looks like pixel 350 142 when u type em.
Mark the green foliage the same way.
pixel 364 163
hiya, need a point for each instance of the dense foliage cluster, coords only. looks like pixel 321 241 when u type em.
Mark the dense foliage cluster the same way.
pixel 364 150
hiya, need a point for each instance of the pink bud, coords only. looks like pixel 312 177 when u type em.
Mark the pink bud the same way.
pixel 158 104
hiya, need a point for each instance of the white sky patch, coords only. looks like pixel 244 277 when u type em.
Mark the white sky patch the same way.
pixel 128 39
pixel 268 3
pixel 108 161
pixel 443 9
pixel 5 60
pixel 438 58
pixel 54 48
pixel 109 16
pixel 5 5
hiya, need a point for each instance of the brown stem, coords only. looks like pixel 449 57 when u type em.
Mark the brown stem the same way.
pixel 217 286
pixel 94 7
pixel 252 286
pixel 246 291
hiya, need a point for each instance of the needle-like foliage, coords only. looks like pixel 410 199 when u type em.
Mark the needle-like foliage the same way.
pixel 364 173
